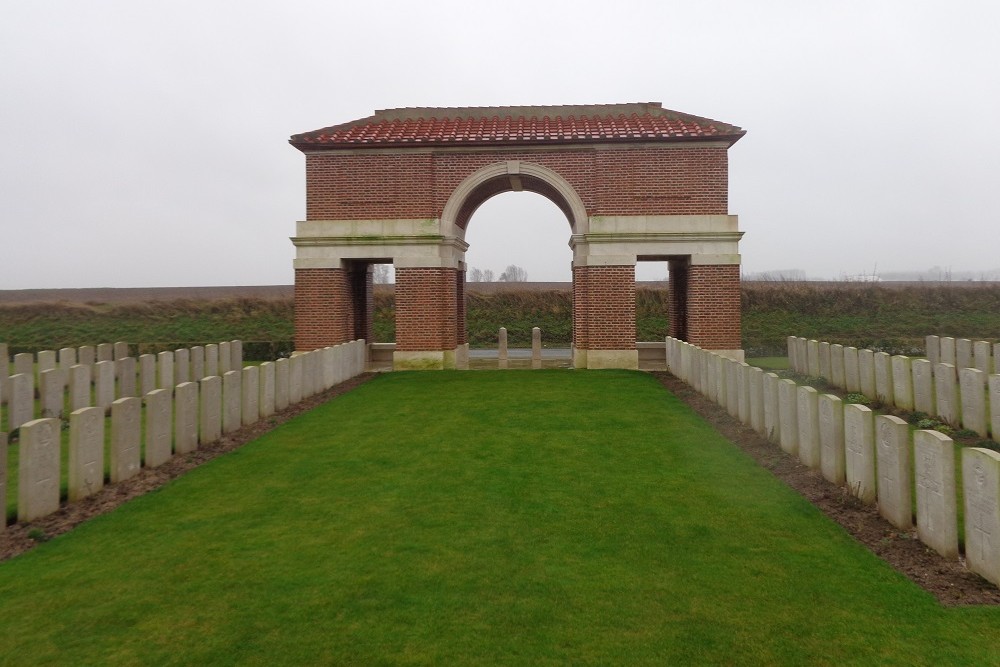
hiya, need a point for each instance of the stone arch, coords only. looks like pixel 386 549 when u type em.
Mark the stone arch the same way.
pixel 511 176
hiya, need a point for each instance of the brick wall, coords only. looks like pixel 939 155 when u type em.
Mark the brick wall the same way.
pixel 630 181
pixel 426 309
pixel 323 308
pixel 713 305
pixel 604 307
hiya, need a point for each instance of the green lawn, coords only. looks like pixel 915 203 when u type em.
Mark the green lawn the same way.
pixel 538 517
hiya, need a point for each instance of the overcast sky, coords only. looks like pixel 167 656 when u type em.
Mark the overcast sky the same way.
pixel 145 144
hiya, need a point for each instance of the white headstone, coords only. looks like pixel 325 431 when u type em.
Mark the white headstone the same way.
pixel 788 416
pixel 147 374
pixel 937 523
pixel 186 417
pixel 502 348
pixel 38 469
pixel 808 423
pixel 182 366
pixel 197 362
pixel 892 448
pixel 47 361
pixel 963 353
pixel 166 370
pixel 24 364
pixel 281 374
pixel 67 358
pixel 85 475
pixel 267 387
pixel 105 352
pixel 86 355
pixel 126 438
pixel 982 356
pixel 50 391
pixel 79 387
pixel 231 401
pixel 883 379
pixel 159 422
pixel 831 438
pixel 837 366
pixel 852 376
pixel 3 473
pixel 236 354
pixel 981 491
pixel 225 359
pixel 104 384
pixel 211 360
pixel 772 430
pixel 859 451
pixel 994 383
pixel 210 416
pixel 973 396
pixel 743 392
pixel 812 356
pixel 946 394
pixel 126 370
pixel 947 355
pixel 756 377
pixel 251 393
pixel 824 360
pixel 902 382
pixel 121 351
pixel 21 402
pixel 866 373
pixel 923 387
pixel 933 349
pixel 295 379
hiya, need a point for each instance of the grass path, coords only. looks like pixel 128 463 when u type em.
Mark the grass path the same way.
pixel 545 517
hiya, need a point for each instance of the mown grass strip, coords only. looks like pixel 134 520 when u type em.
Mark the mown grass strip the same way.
pixel 543 517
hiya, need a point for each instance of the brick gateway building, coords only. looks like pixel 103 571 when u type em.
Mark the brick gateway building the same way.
pixel 637 183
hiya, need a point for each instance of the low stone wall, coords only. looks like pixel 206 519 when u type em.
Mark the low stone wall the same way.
pixel 957 382
pixel 157 406
pixel 869 454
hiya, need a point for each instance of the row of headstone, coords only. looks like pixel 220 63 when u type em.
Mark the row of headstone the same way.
pixel 98 384
pixel 961 396
pixel 177 421
pixel 870 454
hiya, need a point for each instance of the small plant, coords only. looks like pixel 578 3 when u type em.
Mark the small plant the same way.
pixel 859 399
pixel 917 417
pixel 927 424
pixel 38 535
pixel 965 433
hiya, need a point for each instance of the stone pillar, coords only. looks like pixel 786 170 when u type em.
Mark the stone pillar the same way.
pixel 323 311
pixel 937 521
pixel 426 313
pixel 536 347
pixel 502 348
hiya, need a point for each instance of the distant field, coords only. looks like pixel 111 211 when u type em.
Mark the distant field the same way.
pixel 893 317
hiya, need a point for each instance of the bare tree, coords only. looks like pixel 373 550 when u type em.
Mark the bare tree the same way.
pixel 475 275
pixel 380 274
pixel 488 276
pixel 513 274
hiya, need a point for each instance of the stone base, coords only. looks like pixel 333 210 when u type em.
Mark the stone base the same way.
pixel 429 360
pixel 462 357
pixel 610 359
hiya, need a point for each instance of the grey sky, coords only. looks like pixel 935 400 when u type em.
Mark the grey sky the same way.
pixel 145 144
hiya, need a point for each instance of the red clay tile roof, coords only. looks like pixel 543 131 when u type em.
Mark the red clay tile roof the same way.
pixel 518 126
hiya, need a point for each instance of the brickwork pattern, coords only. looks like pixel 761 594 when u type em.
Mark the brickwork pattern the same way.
pixel 604 312
pixel 713 306
pixel 323 308
pixel 426 309
pixel 675 180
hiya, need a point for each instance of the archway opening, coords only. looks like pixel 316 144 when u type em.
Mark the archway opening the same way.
pixel 519 275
